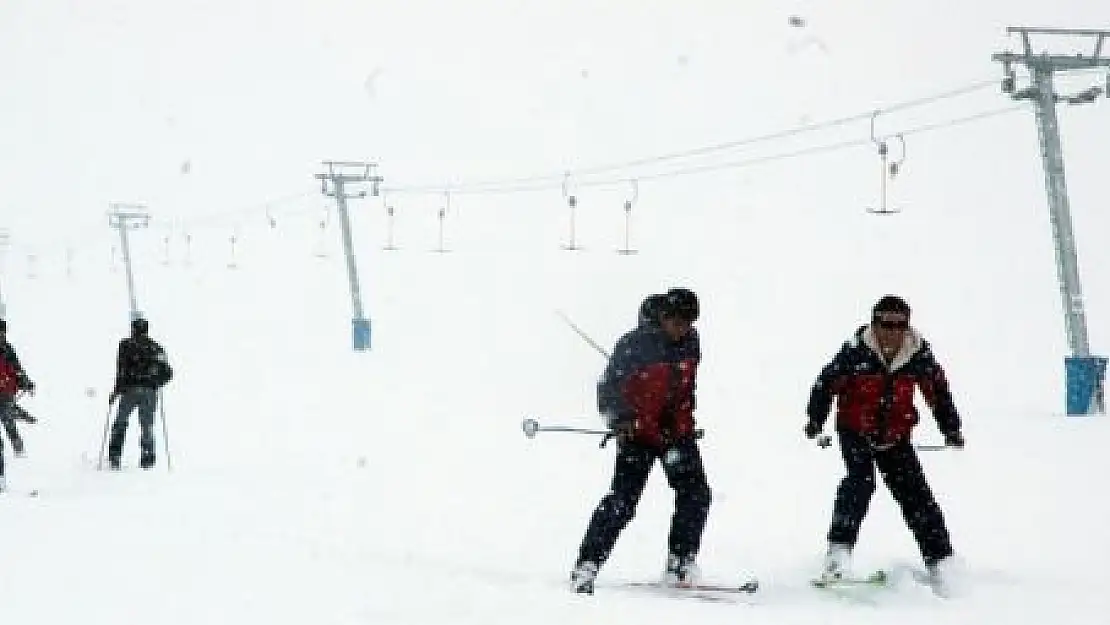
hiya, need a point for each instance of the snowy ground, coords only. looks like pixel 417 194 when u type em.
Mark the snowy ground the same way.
pixel 312 484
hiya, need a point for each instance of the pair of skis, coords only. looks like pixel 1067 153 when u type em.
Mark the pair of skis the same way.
pixel 876 578
pixel 713 592
pixel 702 591
pixel 748 587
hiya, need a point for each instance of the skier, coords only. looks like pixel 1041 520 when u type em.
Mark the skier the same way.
pixel 873 379
pixel 141 370
pixel 12 380
pixel 647 395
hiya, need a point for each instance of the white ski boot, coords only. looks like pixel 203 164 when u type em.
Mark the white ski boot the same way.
pixel 582 578
pixel 945 576
pixel 681 571
pixel 838 560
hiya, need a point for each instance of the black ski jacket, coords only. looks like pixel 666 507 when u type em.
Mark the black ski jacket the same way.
pixel 141 363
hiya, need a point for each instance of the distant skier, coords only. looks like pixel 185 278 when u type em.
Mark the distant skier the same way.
pixel 12 380
pixel 647 395
pixel 141 370
pixel 873 378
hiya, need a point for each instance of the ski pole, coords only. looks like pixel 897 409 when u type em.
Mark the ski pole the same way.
pixel 931 447
pixel 532 427
pixel 165 433
pixel 104 437
pixel 585 337
pixel 825 441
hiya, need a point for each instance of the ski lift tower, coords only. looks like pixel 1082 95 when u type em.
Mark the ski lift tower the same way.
pixel 124 217
pixel 1085 374
pixel 334 181
pixel 5 243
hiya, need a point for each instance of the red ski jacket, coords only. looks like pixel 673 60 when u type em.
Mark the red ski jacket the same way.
pixel 875 398
pixel 650 382
pixel 12 376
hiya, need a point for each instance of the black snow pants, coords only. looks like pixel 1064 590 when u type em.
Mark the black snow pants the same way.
pixel 682 465
pixel 902 472
pixel 5 405
pixel 144 400
pixel 7 418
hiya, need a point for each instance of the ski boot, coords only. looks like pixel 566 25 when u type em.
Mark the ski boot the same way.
pixel 582 578
pixel 942 575
pixel 680 570
pixel 837 562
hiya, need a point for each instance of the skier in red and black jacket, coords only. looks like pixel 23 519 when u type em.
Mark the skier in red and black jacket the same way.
pixel 647 395
pixel 12 380
pixel 873 378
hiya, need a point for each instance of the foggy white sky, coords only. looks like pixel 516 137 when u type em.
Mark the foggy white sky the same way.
pixel 204 106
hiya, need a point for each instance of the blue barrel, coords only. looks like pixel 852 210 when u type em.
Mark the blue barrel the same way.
pixel 1086 378
pixel 361 329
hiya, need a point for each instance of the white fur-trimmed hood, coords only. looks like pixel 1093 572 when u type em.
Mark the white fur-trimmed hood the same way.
pixel 912 343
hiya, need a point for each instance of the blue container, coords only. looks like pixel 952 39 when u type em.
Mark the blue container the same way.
pixel 361 329
pixel 1086 378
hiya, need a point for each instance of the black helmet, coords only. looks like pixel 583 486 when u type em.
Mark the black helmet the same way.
pixel 651 307
pixel 682 304
pixel 890 304
pixel 140 326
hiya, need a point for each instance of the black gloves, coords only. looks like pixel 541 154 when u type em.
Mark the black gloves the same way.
pixel 25 384
pixel 625 430
pixel 623 427
pixel 954 439
pixel 812 429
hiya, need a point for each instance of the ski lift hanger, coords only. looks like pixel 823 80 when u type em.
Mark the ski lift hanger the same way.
pixel 635 195
pixel 890 167
pixel 570 198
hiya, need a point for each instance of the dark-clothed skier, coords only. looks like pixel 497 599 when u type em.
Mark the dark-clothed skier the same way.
pixel 12 380
pixel 647 395
pixel 873 378
pixel 141 370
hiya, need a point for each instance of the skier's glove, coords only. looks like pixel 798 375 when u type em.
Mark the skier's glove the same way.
pixel 812 429
pixel 25 384
pixel 623 427
pixel 954 439
pixel 613 418
pixel 625 430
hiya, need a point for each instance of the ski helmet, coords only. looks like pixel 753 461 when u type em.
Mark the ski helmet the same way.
pixel 651 307
pixel 682 304
pixel 890 304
